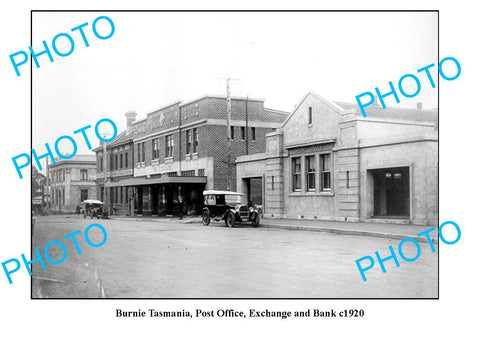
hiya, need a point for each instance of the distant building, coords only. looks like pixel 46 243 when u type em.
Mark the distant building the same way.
pixel 39 191
pixel 180 150
pixel 71 182
pixel 329 162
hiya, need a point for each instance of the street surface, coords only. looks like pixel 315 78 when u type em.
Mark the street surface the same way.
pixel 171 259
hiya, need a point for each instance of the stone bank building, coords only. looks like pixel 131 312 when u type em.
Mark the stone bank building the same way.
pixel 71 181
pixel 327 161
pixel 179 150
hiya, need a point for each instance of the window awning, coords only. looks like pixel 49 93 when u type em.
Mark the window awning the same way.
pixel 136 181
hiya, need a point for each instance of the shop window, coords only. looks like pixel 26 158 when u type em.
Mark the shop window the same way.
pixel 325 164
pixel 296 174
pixel 169 146
pixel 83 174
pixel 310 172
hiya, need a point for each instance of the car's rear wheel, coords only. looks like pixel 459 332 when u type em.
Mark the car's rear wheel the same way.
pixel 206 218
pixel 255 221
pixel 230 219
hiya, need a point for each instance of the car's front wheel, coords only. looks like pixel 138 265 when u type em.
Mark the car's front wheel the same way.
pixel 230 219
pixel 206 217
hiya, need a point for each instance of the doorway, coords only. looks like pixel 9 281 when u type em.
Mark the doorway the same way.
pixel 391 192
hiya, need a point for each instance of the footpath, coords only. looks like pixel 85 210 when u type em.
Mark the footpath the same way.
pixel 385 230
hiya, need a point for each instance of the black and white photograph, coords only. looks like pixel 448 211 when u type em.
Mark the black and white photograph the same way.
pixel 239 170
pixel 227 158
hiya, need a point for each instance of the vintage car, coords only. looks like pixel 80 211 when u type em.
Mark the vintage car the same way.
pixel 94 208
pixel 226 206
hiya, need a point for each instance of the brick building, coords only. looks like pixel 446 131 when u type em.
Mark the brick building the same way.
pixel 179 150
pixel 71 182
pixel 329 162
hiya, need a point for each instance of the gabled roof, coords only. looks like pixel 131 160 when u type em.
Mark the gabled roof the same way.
pixel 331 104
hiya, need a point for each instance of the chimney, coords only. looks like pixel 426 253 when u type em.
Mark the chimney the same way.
pixel 419 105
pixel 130 118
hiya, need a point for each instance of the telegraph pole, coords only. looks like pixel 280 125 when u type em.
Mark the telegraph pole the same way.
pixel 229 137
pixel 105 191
pixel 246 125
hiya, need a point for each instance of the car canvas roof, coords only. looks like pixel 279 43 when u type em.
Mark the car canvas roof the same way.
pixel 92 202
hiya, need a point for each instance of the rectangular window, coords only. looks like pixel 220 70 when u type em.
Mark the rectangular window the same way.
pixel 195 140
pixel 121 161
pixel 83 195
pixel 116 162
pixel 188 144
pixel 188 173
pixel 310 172
pixel 126 159
pixel 83 174
pixel 169 146
pixel 310 115
pixel 201 172
pixel 242 129
pixel 232 132
pixel 325 164
pixel 296 174
pixel 121 195
pixel 155 148
pixel 253 134
pixel 139 153
pixel 273 182
pixel 348 179
pixel 143 151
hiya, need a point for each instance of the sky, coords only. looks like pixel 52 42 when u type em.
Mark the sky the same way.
pixel 156 58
